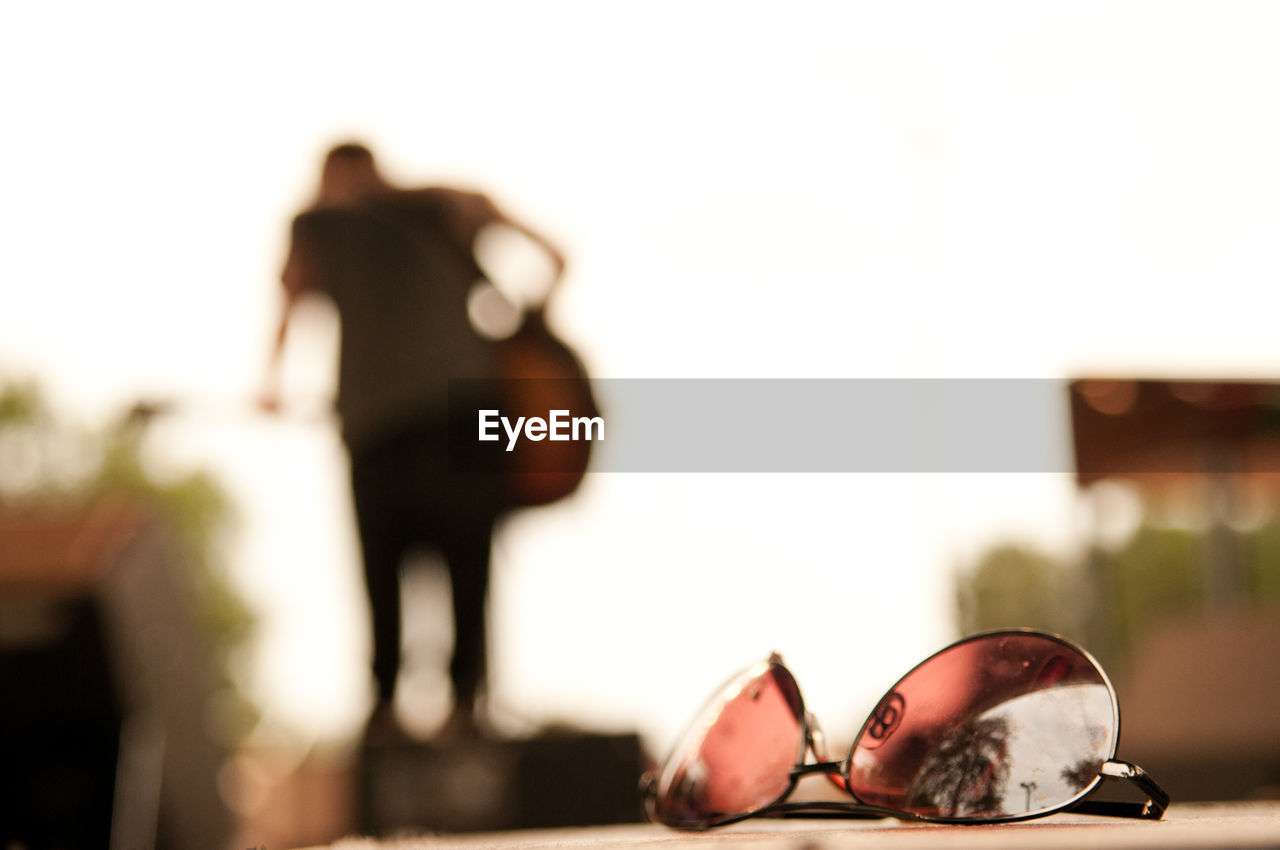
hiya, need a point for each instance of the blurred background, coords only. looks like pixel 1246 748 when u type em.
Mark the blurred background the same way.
pixel 842 190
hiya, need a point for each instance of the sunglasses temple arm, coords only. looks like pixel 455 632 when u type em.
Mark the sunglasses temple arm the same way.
pixel 816 745
pixel 1152 809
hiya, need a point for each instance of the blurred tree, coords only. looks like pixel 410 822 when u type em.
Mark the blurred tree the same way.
pixel 1262 559
pixel 1013 585
pixel 1155 575
pixel 47 463
pixel 1109 599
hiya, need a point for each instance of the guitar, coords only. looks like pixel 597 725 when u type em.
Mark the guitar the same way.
pixel 540 373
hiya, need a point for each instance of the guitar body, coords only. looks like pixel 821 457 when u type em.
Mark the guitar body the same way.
pixel 540 373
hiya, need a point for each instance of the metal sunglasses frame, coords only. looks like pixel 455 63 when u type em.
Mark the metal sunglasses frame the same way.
pixel 838 772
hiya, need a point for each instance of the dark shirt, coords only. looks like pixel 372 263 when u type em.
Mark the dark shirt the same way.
pixel 400 287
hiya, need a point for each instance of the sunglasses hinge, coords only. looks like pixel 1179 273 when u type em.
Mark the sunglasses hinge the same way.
pixel 1117 769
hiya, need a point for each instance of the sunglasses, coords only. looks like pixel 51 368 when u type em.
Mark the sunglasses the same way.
pixel 1000 726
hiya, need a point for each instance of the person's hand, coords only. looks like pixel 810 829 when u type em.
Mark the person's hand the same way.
pixel 269 401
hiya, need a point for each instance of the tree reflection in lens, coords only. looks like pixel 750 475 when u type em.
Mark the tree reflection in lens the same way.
pixel 997 726
pixel 965 773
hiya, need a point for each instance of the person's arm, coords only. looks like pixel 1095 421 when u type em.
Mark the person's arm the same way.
pixel 490 214
pixel 296 282
pixel 269 393
pixel 471 212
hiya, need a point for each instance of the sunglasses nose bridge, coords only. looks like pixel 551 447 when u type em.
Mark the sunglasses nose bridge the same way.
pixel 832 769
pixel 822 765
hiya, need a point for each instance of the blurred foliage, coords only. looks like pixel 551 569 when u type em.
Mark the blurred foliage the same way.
pixel 1108 598
pixel 1262 555
pixel 47 462
pixel 1155 575
pixel 1016 585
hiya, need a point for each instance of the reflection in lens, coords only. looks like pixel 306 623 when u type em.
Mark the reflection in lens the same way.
pixel 999 726
pixel 738 755
pixel 965 773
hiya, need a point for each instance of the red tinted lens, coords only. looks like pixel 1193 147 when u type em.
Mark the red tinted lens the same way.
pixel 738 755
pixel 998 726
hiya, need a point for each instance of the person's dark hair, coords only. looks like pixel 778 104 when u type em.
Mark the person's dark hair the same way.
pixel 351 152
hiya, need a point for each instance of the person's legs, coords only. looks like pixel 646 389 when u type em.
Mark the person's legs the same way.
pixel 382 544
pixel 467 552
pixel 382 582
pixel 453 511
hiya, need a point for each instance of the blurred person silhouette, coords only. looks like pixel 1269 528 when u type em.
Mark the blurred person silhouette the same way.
pixel 399 265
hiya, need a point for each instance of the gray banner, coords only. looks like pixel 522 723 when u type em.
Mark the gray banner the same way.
pixel 833 426
pixel 786 425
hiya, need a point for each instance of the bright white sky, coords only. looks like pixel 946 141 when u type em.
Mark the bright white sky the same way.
pixel 834 190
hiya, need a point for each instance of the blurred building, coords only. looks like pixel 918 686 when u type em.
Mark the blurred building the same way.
pixel 1200 684
pixel 1200 707
pixel 104 687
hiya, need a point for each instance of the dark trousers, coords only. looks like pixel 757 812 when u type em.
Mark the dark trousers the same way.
pixel 407 498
